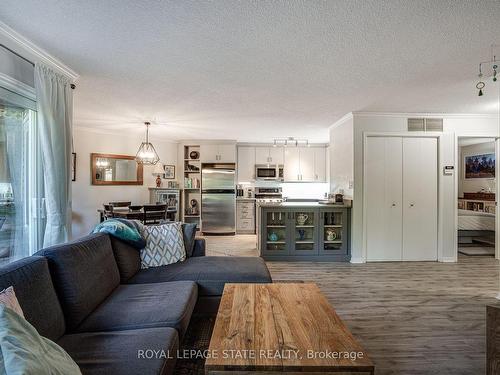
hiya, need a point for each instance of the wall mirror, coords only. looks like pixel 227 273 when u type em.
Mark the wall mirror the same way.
pixel 110 169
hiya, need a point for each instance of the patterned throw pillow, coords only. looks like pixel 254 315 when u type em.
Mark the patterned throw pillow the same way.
pixel 9 299
pixel 165 245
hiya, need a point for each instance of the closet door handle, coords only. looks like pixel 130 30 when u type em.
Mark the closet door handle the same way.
pixel 412 204
pixel 393 205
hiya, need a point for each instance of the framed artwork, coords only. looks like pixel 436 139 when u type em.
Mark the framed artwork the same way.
pixel 480 166
pixel 73 166
pixel 169 172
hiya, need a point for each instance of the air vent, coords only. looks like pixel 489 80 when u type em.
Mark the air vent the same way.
pixel 416 125
pixel 433 124
pixel 425 124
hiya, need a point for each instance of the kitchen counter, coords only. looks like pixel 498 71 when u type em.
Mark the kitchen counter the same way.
pixel 346 204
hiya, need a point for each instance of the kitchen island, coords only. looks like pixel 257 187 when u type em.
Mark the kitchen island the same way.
pixel 304 231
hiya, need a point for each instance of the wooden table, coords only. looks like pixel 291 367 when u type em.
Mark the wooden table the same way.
pixel 281 328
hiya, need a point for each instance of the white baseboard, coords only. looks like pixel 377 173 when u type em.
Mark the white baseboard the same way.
pixel 448 260
pixel 358 260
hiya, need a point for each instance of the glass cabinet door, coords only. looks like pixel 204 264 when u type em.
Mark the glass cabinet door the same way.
pixel 275 232
pixel 304 235
pixel 333 233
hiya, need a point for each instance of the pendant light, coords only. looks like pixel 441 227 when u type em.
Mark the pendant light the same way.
pixel 147 153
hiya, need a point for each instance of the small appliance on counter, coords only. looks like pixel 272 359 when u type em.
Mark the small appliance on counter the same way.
pixel 249 192
pixel 240 192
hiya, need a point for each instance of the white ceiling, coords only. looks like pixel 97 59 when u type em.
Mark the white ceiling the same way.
pixel 255 70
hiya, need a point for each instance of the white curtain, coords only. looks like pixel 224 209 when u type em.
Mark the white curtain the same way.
pixel 54 99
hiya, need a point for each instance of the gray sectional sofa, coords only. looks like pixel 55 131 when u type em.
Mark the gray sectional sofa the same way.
pixel 91 297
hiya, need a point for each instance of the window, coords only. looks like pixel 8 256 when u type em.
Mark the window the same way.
pixel 21 180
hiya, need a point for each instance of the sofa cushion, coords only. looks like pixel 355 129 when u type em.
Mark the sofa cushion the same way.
pixel 30 278
pixel 84 273
pixel 165 245
pixel 119 353
pixel 210 273
pixel 127 259
pixel 189 233
pixel 145 306
pixel 24 351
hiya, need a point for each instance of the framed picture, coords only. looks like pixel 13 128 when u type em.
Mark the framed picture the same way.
pixel 480 166
pixel 73 166
pixel 169 172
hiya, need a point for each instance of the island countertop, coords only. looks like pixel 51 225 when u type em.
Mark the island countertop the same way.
pixel 346 204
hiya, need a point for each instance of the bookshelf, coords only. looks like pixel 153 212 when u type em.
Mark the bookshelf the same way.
pixel 192 184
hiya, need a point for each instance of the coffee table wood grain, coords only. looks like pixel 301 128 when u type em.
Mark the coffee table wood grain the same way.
pixel 281 328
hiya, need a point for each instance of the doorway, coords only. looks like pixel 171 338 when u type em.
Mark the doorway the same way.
pixel 476 216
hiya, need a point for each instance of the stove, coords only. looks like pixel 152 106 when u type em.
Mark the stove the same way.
pixel 268 195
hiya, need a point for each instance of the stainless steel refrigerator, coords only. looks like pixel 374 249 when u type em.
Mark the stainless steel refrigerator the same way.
pixel 218 204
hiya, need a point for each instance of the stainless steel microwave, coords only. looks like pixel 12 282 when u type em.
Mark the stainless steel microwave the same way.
pixel 269 172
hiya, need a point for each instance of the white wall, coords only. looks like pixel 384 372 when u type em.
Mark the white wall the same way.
pixel 87 198
pixel 397 123
pixel 473 185
pixel 341 153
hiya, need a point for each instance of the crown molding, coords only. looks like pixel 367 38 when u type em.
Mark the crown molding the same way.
pixel 29 50
pixel 425 115
pixel 346 117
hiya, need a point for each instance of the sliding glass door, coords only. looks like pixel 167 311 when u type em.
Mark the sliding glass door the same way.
pixel 21 179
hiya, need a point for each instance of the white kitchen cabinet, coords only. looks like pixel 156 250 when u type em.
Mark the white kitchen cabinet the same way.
pixel 300 164
pixel 320 164
pixel 401 198
pixel 306 164
pixel 218 153
pixel 246 164
pixel 291 172
pixel 268 155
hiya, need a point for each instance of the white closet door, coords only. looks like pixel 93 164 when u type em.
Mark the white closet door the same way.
pixel 420 171
pixel 383 198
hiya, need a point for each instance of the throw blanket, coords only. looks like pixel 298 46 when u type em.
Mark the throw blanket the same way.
pixel 128 231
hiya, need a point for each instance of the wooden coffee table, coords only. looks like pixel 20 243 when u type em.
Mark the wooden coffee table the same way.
pixel 281 328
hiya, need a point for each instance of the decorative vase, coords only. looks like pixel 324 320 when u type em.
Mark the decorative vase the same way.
pixel 272 237
pixel 158 181
pixel 302 234
pixel 194 155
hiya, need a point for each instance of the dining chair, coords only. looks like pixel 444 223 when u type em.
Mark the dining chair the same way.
pixel 108 211
pixel 153 213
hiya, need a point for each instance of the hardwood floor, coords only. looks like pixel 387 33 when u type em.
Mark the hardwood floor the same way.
pixel 412 318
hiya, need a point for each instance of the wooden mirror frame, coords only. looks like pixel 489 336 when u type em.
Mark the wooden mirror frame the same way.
pixel 93 168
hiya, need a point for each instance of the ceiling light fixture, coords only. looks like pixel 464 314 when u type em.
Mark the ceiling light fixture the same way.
pixel 147 153
pixel 291 141
pixel 493 63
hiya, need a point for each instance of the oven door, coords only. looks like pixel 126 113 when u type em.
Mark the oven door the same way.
pixel 266 172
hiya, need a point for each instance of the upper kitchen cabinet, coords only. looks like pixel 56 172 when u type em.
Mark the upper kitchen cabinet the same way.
pixel 305 164
pixel 246 164
pixel 218 153
pixel 292 164
pixel 269 155
pixel 320 164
